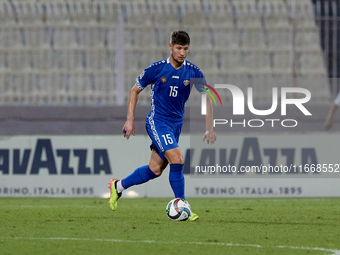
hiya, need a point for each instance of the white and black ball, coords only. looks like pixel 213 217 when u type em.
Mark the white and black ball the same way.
pixel 178 209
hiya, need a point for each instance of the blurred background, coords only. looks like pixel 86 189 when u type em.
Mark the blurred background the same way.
pixel 66 67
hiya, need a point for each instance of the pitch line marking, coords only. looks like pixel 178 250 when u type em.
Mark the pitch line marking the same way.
pixel 45 206
pixel 334 251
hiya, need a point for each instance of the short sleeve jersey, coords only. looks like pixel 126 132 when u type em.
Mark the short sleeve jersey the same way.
pixel 170 88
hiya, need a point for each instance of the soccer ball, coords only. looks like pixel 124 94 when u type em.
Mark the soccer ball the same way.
pixel 178 209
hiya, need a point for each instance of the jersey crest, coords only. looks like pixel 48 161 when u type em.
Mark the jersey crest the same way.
pixel 163 80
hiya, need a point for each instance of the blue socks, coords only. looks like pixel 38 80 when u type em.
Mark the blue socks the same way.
pixel 144 174
pixel 176 179
pixel 139 176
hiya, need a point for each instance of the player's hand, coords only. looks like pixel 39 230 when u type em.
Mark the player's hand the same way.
pixel 328 124
pixel 210 136
pixel 128 129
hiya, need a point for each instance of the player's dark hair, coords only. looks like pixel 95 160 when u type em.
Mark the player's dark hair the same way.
pixel 179 37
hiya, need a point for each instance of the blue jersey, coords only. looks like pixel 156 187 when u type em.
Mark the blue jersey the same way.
pixel 170 88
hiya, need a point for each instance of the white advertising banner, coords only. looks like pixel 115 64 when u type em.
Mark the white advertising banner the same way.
pixel 82 166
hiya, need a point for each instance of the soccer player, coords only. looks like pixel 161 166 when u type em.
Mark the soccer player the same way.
pixel 332 110
pixel 170 89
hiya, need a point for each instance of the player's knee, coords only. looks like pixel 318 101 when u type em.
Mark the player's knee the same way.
pixel 174 156
pixel 157 170
pixel 177 159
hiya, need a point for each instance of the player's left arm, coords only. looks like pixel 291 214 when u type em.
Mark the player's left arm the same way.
pixel 329 119
pixel 209 135
pixel 332 110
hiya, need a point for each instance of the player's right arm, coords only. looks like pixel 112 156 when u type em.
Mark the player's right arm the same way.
pixel 144 79
pixel 129 126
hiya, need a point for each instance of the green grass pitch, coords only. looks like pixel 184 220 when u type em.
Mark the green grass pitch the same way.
pixel 140 226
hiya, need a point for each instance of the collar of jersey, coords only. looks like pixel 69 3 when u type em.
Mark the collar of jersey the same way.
pixel 168 62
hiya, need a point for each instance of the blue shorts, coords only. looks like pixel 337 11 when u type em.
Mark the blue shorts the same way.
pixel 164 135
